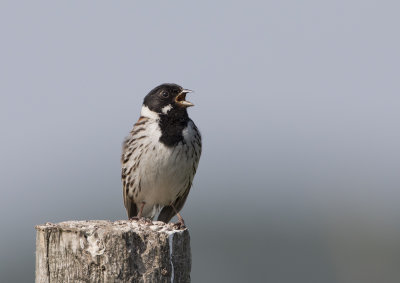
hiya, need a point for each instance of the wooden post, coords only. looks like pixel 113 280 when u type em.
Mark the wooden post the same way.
pixel 103 251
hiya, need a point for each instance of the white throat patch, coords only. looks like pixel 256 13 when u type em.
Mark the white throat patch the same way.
pixel 146 112
pixel 165 109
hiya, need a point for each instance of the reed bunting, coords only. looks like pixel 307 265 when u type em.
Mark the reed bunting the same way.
pixel 160 156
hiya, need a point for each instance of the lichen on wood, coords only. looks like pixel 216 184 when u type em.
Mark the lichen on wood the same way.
pixel 104 251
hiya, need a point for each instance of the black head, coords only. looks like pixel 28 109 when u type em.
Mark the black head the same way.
pixel 167 98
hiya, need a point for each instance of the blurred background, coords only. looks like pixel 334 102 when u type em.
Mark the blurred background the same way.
pixel 298 104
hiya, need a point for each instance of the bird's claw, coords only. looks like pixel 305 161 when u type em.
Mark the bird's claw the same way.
pixel 142 220
pixel 179 225
pixel 146 220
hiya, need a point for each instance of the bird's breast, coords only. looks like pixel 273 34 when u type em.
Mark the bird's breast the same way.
pixel 162 173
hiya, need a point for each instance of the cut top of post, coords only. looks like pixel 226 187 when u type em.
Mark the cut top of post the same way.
pixel 122 226
pixel 105 251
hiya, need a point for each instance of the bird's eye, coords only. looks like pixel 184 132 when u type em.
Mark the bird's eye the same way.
pixel 164 94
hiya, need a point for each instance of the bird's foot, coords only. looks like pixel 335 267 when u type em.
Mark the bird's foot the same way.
pixel 142 220
pixel 180 225
pixel 146 220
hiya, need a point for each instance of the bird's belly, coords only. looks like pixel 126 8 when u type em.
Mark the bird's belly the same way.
pixel 166 173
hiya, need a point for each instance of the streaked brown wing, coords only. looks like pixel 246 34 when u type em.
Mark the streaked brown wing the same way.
pixel 131 208
pixel 129 203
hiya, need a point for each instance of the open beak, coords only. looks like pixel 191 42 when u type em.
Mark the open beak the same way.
pixel 180 98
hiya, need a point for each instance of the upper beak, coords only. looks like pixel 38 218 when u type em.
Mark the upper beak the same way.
pixel 180 98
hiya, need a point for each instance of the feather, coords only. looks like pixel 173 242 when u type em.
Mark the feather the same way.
pixel 155 173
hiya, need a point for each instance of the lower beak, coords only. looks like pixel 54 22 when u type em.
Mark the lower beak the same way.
pixel 180 98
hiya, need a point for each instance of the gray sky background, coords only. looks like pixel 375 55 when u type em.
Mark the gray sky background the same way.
pixel 298 103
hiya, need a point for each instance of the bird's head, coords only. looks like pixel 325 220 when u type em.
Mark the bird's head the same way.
pixel 167 98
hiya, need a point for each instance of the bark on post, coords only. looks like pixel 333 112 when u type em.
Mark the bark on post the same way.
pixel 103 251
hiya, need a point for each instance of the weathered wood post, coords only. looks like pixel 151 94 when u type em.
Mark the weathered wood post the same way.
pixel 103 251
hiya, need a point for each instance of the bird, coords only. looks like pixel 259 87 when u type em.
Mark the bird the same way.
pixel 160 156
